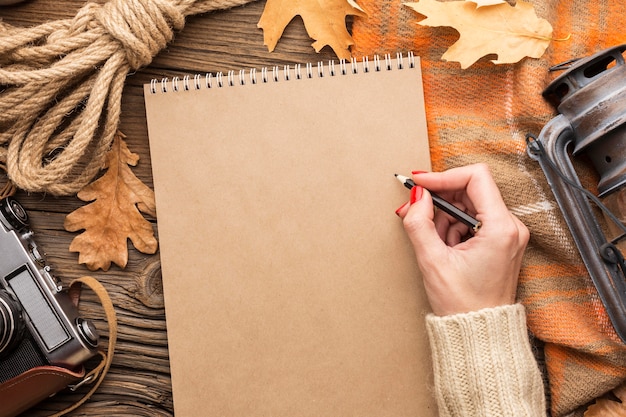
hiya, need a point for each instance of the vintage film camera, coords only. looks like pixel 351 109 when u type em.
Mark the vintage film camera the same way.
pixel 39 324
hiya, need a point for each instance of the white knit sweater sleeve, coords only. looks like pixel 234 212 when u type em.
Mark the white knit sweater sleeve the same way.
pixel 484 365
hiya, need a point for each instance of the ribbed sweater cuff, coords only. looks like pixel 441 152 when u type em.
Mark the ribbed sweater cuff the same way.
pixel 484 365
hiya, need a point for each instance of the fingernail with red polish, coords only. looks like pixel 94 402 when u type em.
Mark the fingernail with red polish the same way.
pixel 400 208
pixel 418 172
pixel 416 193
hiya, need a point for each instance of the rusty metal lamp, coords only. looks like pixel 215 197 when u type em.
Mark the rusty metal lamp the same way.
pixel 590 97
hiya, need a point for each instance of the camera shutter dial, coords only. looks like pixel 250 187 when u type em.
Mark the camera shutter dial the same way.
pixel 11 323
pixel 87 331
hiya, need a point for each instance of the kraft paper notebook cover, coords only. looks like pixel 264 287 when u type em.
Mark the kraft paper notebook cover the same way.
pixel 290 286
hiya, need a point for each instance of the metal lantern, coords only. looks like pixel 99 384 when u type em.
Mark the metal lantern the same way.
pixel 590 97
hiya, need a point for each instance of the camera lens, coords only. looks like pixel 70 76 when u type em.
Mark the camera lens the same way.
pixel 14 213
pixel 11 323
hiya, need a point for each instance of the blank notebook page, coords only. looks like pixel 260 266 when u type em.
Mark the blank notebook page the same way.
pixel 290 286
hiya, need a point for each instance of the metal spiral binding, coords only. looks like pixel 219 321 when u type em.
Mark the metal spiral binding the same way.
pixel 297 72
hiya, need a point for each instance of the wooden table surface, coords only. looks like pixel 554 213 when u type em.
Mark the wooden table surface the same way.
pixel 138 383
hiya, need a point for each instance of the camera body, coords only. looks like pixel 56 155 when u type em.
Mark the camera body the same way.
pixel 39 324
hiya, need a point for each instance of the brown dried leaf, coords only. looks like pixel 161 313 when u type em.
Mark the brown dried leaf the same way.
pixel 511 32
pixel 606 407
pixel 324 20
pixel 113 216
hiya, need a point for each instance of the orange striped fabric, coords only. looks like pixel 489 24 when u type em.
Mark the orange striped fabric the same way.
pixel 482 114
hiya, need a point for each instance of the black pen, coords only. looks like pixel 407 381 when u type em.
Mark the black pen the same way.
pixel 442 204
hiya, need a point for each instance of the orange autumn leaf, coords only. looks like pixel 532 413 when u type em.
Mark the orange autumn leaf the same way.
pixel 113 216
pixel 324 20
pixel 510 32
pixel 605 407
pixel 480 3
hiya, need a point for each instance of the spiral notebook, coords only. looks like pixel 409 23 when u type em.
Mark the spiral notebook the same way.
pixel 290 286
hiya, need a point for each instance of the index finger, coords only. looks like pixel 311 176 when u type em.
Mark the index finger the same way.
pixel 473 181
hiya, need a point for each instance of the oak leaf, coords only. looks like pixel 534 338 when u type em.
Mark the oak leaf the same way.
pixel 606 407
pixel 510 32
pixel 324 20
pixel 113 216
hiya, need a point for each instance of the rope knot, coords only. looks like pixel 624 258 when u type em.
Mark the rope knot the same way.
pixel 61 86
pixel 142 27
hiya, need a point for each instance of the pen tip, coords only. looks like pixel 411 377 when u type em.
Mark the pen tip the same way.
pixel 395 175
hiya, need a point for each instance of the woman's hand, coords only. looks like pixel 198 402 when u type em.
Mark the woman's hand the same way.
pixel 464 274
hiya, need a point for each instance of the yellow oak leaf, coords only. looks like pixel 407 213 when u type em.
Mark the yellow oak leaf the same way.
pixel 606 407
pixel 510 32
pixel 113 216
pixel 324 20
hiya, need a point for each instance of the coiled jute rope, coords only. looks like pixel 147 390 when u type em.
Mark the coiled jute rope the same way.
pixel 61 86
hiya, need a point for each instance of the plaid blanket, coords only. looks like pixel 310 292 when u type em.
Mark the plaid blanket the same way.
pixel 482 114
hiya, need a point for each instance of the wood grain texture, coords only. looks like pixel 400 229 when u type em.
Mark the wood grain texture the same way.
pixel 138 383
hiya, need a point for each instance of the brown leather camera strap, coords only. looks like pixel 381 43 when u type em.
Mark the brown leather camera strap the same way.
pixel 29 388
pixel 96 375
